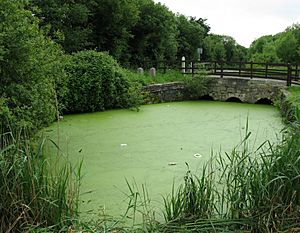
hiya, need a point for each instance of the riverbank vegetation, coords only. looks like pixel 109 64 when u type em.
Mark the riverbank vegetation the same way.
pixel 55 58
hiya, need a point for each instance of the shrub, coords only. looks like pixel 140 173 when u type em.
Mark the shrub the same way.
pixel 30 65
pixel 96 82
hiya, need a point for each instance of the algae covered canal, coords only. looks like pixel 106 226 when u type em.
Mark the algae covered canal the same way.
pixel 152 146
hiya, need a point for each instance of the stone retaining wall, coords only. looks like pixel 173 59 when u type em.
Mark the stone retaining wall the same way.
pixel 245 89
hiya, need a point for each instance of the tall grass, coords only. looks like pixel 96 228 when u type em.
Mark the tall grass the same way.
pixel 257 191
pixel 33 193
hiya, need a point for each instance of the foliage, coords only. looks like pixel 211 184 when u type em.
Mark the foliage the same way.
pixel 30 67
pixel 34 192
pixel 154 34
pixel 196 87
pixel 282 47
pixel 218 48
pixel 66 21
pixel 190 37
pixel 96 82
pixel 113 22
pixel 131 31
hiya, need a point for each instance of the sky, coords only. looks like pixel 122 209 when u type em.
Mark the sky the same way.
pixel 244 20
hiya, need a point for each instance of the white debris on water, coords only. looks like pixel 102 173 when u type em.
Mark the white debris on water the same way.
pixel 172 163
pixel 197 155
pixel 123 145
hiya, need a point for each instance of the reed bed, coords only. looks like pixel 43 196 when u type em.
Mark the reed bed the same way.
pixel 34 194
pixel 244 191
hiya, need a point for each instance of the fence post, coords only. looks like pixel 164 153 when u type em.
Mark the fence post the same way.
pixel 183 65
pixel 289 75
pixel 192 64
pixel 251 70
pixel 296 72
pixel 215 67
pixel 240 68
pixel 266 74
pixel 221 69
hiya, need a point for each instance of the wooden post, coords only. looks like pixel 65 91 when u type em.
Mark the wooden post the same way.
pixel 251 70
pixel 221 69
pixel 296 72
pixel 289 75
pixel 215 67
pixel 192 64
pixel 240 68
pixel 266 74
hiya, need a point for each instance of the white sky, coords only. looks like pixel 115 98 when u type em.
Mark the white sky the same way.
pixel 244 20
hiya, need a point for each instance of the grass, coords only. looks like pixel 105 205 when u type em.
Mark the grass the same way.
pixel 246 190
pixel 35 195
pixel 146 78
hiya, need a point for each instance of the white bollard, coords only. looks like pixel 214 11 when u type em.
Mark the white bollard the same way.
pixel 183 65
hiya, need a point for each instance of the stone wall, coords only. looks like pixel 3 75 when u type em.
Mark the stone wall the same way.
pixel 245 89
pixel 167 92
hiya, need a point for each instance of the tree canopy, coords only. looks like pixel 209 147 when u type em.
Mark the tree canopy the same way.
pixel 30 68
pixel 130 30
pixel 282 47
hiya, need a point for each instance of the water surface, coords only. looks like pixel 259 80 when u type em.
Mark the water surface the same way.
pixel 142 145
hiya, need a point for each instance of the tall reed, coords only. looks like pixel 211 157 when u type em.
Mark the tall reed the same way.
pixel 246 189
pixel 33 193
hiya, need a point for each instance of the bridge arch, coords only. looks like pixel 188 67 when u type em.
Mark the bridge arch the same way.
pixel 234 99
pixel 264 101
pixel 206 97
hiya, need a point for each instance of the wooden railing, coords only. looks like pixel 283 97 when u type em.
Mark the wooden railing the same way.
pixel 275 71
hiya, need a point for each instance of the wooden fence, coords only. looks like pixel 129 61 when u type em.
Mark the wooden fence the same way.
pixel 276 71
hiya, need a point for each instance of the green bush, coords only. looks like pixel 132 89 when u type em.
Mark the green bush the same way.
pixel 96 82
pixel 30 65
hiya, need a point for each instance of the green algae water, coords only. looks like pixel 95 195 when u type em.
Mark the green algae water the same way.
pixel 152 146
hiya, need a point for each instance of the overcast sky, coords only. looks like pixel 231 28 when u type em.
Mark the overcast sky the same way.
pixel 244 20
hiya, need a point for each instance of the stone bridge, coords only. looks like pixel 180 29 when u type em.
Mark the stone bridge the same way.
pixel 222 89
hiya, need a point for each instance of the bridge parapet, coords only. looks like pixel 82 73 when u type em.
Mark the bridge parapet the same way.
pixel 245 89
pixel 221 89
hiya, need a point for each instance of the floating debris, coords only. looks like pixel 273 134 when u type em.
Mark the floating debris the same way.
pixel 172 163
pixel 122 145
pixel 197 155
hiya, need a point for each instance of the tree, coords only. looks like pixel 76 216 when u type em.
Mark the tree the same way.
pixel 190 37
pixel 113 22
pixel 264 49
pixel 287 48
pixel 154 34
pixel 67 22
pixel 30 67
pixel 214 48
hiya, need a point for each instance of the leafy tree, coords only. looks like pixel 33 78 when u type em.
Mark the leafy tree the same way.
pixel 190 37
pixel 67 22
pixel 113 22
pixel 214 48
pixel 287 47
pixel 154 34
pixel 30 67
pixel 264 50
